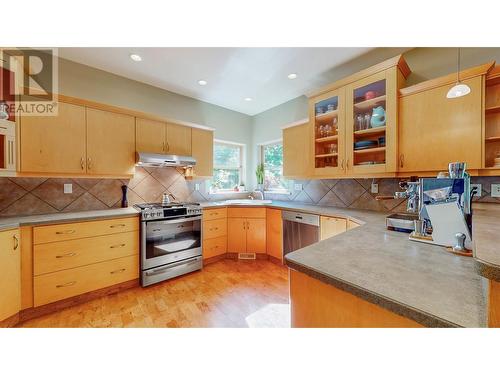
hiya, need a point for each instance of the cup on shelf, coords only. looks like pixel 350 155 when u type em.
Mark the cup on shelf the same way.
pixel 367 120
pixel 320 110
pixel 359 121
pixel 331 107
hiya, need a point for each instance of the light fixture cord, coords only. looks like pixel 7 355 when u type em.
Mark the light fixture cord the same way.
pixel 458 66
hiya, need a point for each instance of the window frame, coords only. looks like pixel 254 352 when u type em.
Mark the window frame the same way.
pixel 240 168
pixel 262 160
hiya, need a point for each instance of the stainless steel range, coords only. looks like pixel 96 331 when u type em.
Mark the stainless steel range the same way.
pixel 170 240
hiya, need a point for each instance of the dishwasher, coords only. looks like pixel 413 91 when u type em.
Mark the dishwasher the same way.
pixel 299 230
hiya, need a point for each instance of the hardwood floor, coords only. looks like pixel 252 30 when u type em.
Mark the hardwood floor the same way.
pixel 228 293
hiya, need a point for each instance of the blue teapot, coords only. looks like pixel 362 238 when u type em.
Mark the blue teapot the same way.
pixel 378 117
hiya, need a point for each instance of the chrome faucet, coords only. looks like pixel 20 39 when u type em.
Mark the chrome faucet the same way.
pixel 261 194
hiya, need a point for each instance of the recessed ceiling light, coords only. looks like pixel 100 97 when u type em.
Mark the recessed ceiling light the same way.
pixel 292 76
pixel 248 99
pixel 202 82
pixel 135 57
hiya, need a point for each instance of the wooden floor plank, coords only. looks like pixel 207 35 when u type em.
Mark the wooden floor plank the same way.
pixel 228 293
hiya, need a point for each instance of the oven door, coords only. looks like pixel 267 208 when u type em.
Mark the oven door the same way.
pixel 169 240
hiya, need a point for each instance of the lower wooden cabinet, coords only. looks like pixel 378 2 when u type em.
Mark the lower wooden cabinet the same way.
pixel 214 232
pixel 246 235
pixel 331 226
pixel 274 233
pixel 10 274
pixel 214 228
pixel 59 285
pixel 214 247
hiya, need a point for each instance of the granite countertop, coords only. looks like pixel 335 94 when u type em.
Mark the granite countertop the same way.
pixel 486 236
pixel 57 218
pixel 420 281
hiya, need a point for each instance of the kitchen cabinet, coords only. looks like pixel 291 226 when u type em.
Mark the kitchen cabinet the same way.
pixel 331 226
pixel 435 130
pixel 10 274
pixel 150 136
pixel 110 143
pixel 54 144
pixel 296 151
pixel 274 233
pixel 214 232
pixel 246 230
pixel 178 140
pixel 352 224
pixel 328 133
pixel 492 123
pixel 202 149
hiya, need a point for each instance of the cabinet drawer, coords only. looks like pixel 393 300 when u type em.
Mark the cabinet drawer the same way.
pixel 214 246
pixel 214 228
pixel 71 231
pixel 214 213
pixel 62 255
pixel 247 212
pixel 56 286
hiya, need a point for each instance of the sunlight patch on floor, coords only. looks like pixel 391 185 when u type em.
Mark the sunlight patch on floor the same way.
pixel 273 315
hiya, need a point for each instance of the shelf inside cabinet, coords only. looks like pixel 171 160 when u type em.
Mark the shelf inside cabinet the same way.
pixel 494 109
pixel 327 116
pixel 326 155
pixel 493 139
pixel 370 103
pixel 370 150
pixel 371 131
pixel 327 139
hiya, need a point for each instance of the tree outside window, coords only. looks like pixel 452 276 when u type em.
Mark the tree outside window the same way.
pixel 272 157
pixel 227 166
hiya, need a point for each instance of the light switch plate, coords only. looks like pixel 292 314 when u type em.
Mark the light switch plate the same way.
pixel 298 187
pixel 495 190
pixel 374 189
pixel 68 188
pixel 197 187
pixel 478 190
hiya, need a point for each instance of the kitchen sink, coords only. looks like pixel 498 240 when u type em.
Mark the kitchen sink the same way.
pixel 249 201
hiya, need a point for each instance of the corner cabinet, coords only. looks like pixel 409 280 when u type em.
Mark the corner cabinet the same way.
pixel 202 149
pixel 355 122
pixel 296 151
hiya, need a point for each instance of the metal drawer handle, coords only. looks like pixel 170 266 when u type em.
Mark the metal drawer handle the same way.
pixel 16 242
pixel 70 231
pixel 214 228
pixel 118 271
pixel 117 225
pixel 71 283
pixel 115 246
pixel 65 255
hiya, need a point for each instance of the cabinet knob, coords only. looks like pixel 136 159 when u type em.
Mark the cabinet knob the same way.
pixel 401 160
pixel 16 242
pixel 65 255
pixel 89 163
pixel 118 271
pixel 70 231
pixel 71 283
pixel 82 163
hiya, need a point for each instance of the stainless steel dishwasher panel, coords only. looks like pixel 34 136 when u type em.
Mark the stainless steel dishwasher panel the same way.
pixel 299 230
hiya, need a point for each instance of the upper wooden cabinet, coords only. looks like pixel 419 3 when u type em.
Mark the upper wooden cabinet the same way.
pixel 110 143
pixel 354 122
pixel 202 149
pixel 435 130
pixel 10 274
pixel 492 122
pixel 178 140
pixel 54 144
pixel 296 151
pixel 150 136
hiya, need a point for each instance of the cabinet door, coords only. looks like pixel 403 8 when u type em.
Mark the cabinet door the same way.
pixel 179 139
pixel 10 274
pixel 274 233
pixel 54 144
pixel 435 130
pixel 296 151
pixel 110 143
pixel 256 235
pixel 236 235
pixel 331 226
pixel 203 151
pixel 150 136
pixel 371 123
pixel 327 112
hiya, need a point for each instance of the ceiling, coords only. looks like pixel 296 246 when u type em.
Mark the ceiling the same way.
pixel 232 74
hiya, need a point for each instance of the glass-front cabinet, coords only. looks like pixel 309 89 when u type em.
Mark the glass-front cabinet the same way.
pixel 327 112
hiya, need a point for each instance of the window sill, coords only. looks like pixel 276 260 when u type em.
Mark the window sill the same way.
pixel 281 192
pixel 227 192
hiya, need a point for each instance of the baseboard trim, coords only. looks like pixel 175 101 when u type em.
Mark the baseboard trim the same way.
pixel 274 260
pixel 35 312
pixel 214 259
pixel 11 321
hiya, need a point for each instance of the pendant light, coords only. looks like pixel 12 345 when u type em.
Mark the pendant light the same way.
pixel 460 89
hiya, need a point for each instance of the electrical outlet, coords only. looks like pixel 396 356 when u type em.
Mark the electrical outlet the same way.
pixel 298 187
pixel 495 190
pixel 374 189
pixel 197 187
pixel 68 188
pixel 478 190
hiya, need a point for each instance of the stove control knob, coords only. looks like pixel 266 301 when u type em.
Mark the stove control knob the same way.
pixel 146 215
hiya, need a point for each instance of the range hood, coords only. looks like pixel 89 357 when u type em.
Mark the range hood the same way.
pixel 144 159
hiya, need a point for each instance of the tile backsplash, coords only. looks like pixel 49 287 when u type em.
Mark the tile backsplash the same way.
pixel 31 196
pixel 355 193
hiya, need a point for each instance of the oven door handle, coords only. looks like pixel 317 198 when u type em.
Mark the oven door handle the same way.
pixel 170 266
pixel 184 220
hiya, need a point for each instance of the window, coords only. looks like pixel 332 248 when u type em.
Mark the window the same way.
pixel 272 157
pixel 228 164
